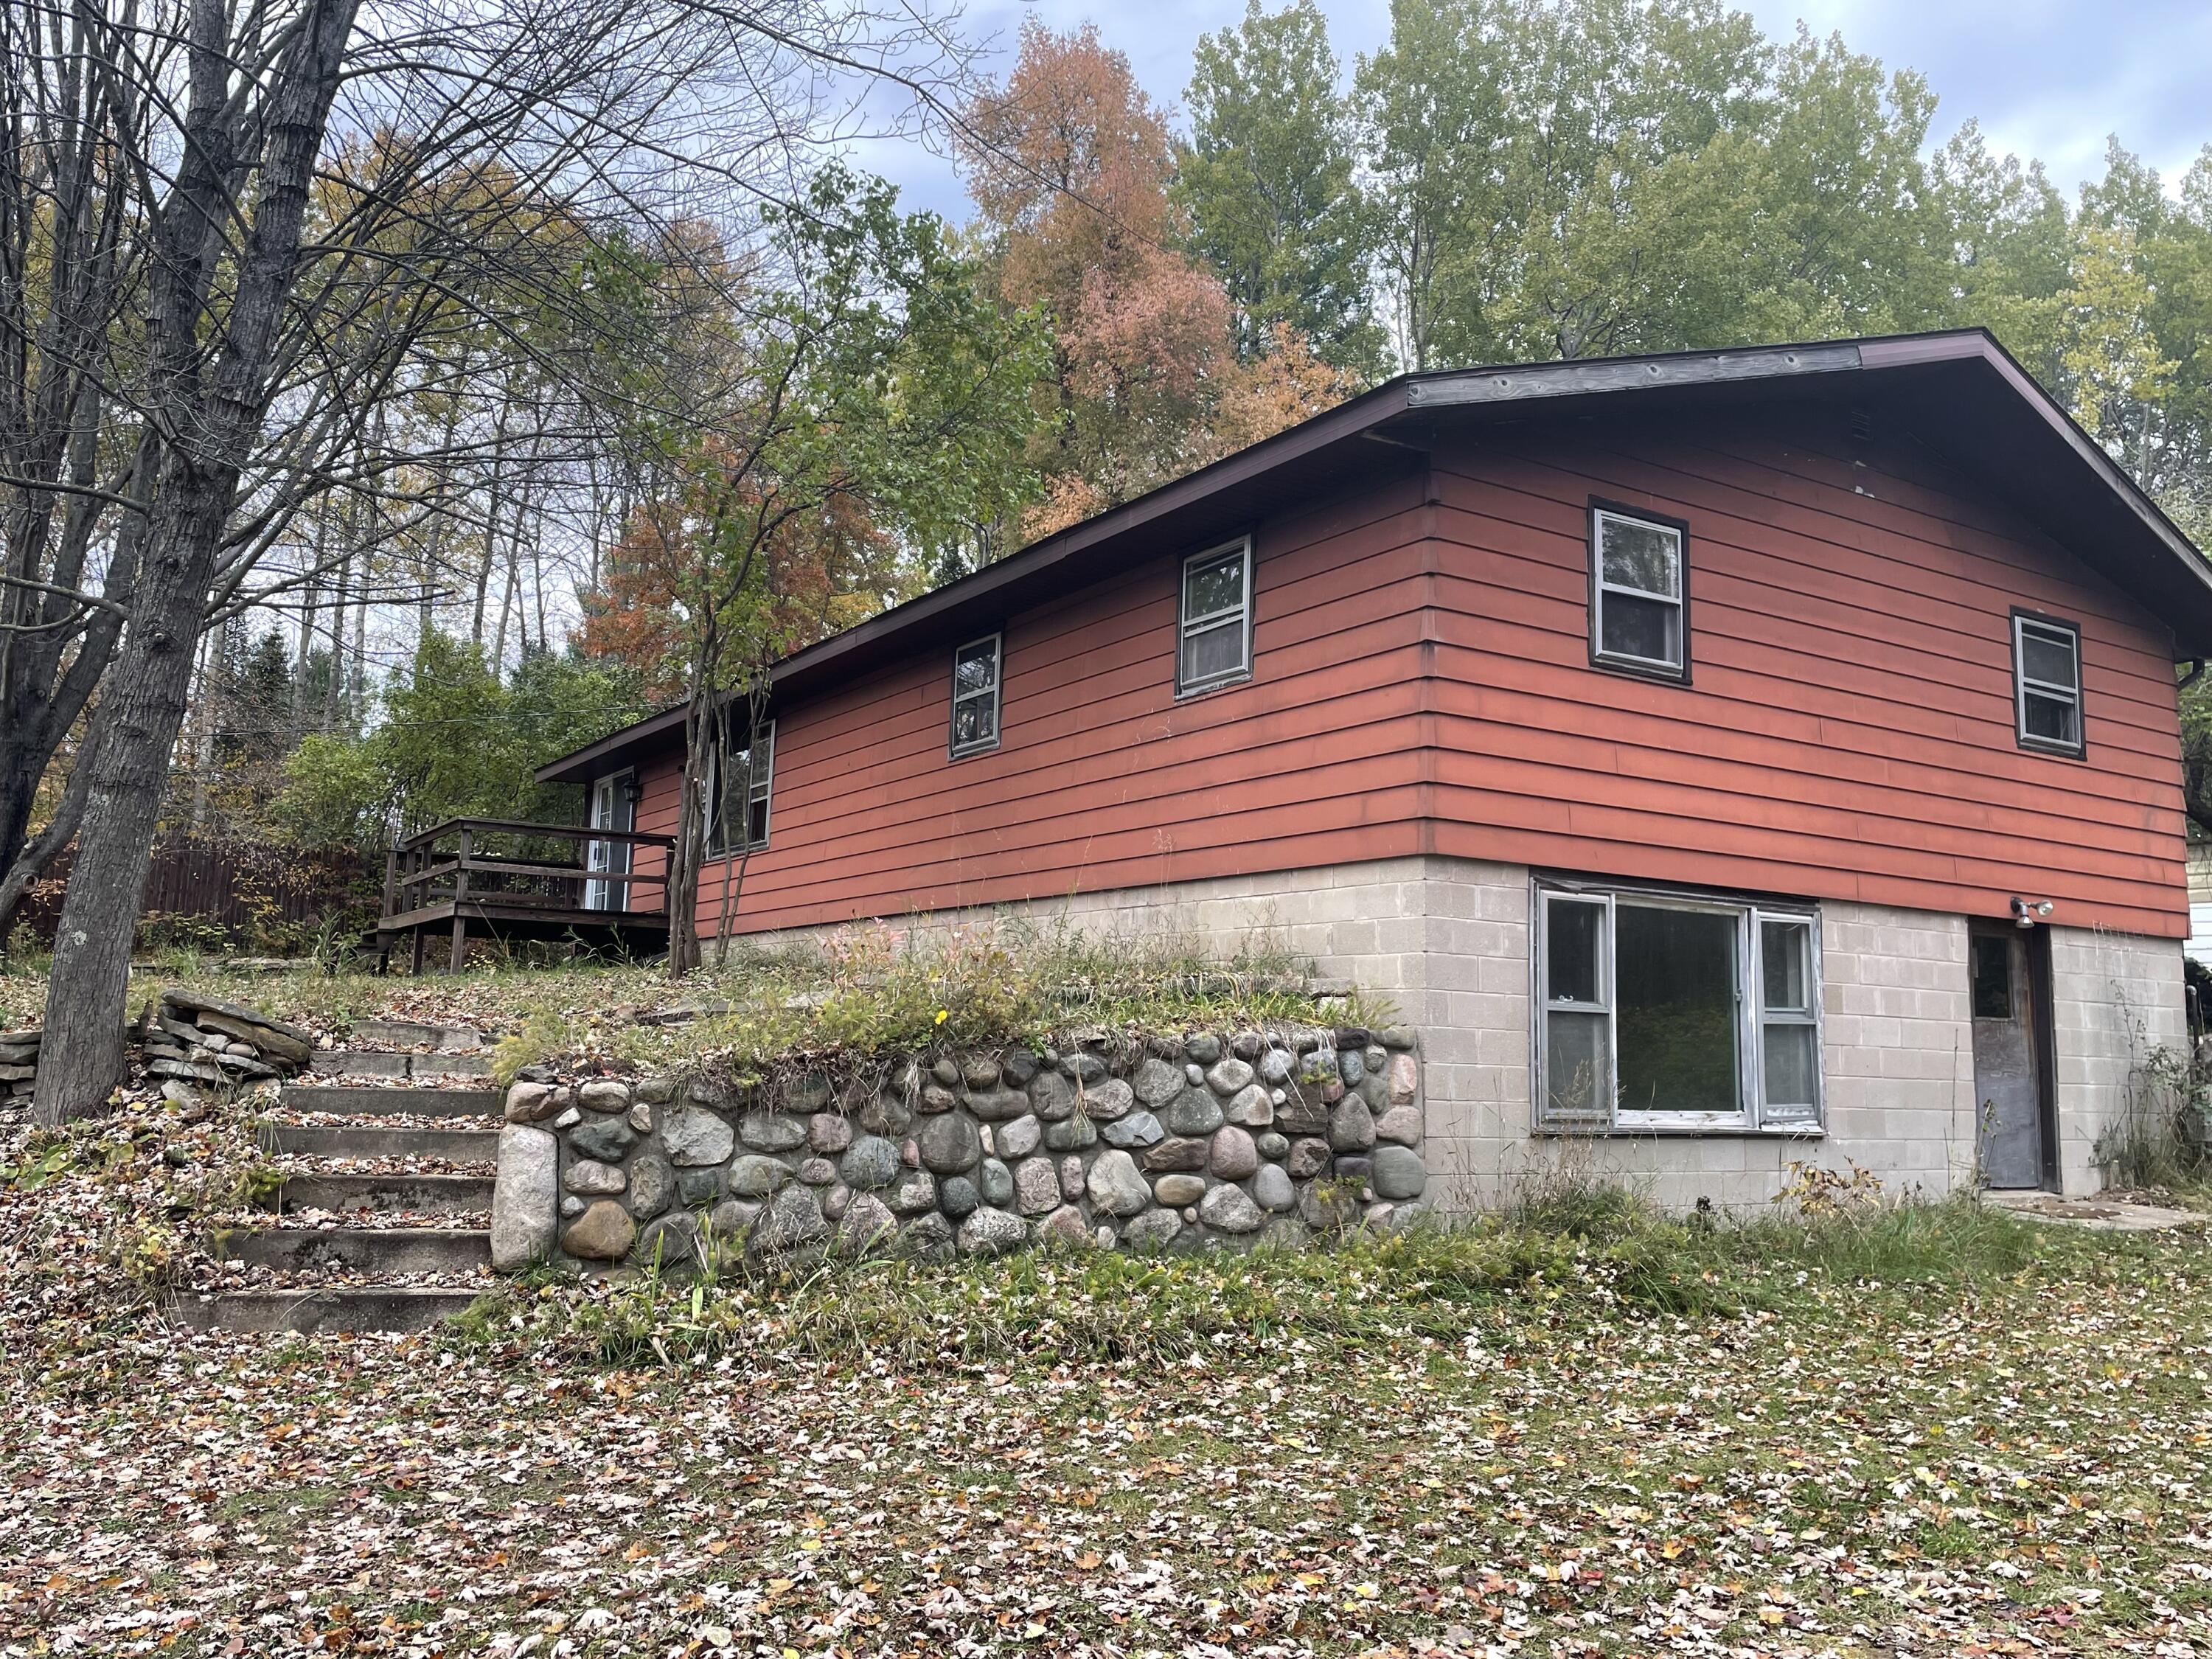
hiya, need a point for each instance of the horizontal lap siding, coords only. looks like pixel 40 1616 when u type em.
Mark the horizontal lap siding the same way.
pixel 1848 732
pixel 1102 779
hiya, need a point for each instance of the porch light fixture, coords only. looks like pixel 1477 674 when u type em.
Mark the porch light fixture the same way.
pixel 2026 912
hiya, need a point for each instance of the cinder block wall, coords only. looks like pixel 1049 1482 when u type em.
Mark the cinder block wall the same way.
pixel 1447 941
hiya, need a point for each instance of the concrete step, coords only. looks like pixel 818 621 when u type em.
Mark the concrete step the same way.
pixel 369 1100
pixel 380 1062
pixel 373 1140
pixel 414 1194
pixel 340 1309
pixel 415 1034
pixel 355 1249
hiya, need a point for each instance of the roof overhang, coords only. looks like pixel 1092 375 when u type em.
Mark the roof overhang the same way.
pixel 1959 393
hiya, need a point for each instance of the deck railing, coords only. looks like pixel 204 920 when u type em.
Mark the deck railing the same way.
pixel 459 862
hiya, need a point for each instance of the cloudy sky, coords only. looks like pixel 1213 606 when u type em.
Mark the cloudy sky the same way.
pixel 2047 78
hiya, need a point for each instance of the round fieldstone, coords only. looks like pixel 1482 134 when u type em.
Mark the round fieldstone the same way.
pixel 817 1172
pixel 696 1189
pixel 806 1094
pixel 755 1176
pixel 603 1233
pixel 1351 1065
pixel 1018 1068
pixel 528 1102
pixel 1052 1096
pixel 1065 1229
pixel 886 1116
pixel 870 1162
pixel 1139 1129
pixel 603 1095
pixel 1271 1145
pixel 867 1224
pixel 1327 1206
pixel 1072 1180
pixel 1397 1172
pixel 1156 1083
pixel 1320 1066
pixel 1202 1049
pixel 1115 1186
pixel 1401 1125
pixel 1193 1112
pixel 1284 1232
pixel 1232 1156
pixel 652 1185
pixel 793 1218
pixel 917 1191
pixel 641 1118
pixel 1374 1091
pixel 991 1232
pixel 1277 1065
pixel 836 1201
pixel 1155 1230
pixel 733 1218
pixel 589 1178
pixel 608 1141
pixel 1070 1134
pixel 694 1139
pixel 995 1181
pixel 1247 1045
pixel 1084 1068
pixel 1309 1158
pixel 1178 1190
pixel 935 1097
pixel 1036 1185
pixel 1351 1125
pixel 1108 1099
pixel 926 1238
pixel 1251 1108
pixel 1179 1153
pixel 1404 1079
pixel 668 1242
pixel 1020 1138
pixel 948 1145
pixel 980 1072
pixel 999 1105
pixel 946 1070
pixel 1272 1188
pixel 829 1132
pixel 1229 1210
pixel 956 1196
pixel 655 1091
pixel 572 1205
pixel 1229 1077
pixel 766 1132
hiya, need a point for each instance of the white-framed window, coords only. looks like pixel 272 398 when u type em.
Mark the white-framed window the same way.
pixel 1213 645
pixel 737 789
pixel 2047 670
pixel 1639 593
pixel 975 696
pixel 1662 1011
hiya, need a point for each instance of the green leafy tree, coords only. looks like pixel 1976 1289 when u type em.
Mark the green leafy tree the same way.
pixel 1265 185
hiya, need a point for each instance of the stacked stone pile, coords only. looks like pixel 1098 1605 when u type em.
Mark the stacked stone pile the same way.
pixel 19 1064
pixel 1202 1141
pixel 194 1040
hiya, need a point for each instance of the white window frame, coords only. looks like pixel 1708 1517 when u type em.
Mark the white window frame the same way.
pixel 610 791
pixel 759 788
pixel 1755 1114
pixel 2024 685
pixel 980 746
pixel 1601 515
pixel 1187 626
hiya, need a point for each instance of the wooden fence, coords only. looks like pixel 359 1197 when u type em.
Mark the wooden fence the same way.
pixel 212 892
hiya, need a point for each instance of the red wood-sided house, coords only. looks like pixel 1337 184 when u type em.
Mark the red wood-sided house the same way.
pixel 1725 759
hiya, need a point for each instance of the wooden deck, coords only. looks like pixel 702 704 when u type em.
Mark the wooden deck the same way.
pixel 451 882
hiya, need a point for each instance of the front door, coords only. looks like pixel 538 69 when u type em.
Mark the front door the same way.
pixel 611 810
pixel 2011 1133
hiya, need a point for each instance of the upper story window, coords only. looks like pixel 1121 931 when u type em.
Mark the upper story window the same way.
pixel 1214 632
pixel 2046 668
pixel 1660 1011
pixel 737 790
pixel 1639 593
pixel 975 696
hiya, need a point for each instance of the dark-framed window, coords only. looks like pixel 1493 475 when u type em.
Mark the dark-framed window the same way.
pixel 738 785
pixel 1214 631
pixel 1639 592
pixel 1659 1011
pixel 2046 684
pixel 976 668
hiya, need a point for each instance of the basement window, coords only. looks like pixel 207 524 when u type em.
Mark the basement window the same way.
pixel 1214 631
pixel 1639 594
pixel 975 696
pixel 2046 665
pixel 1660 1012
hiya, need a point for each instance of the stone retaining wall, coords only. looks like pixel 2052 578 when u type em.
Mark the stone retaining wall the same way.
pixel 1213 1139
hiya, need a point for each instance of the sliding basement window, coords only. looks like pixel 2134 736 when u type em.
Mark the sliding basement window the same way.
pixel 1664 1012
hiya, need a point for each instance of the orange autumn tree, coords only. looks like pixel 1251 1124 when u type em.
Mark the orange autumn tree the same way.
pixel 1069 164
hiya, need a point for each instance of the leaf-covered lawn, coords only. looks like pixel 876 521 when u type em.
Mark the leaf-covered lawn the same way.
pixel 2016 1466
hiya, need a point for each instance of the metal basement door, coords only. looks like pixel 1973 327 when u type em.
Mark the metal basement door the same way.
pixel 2008 988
